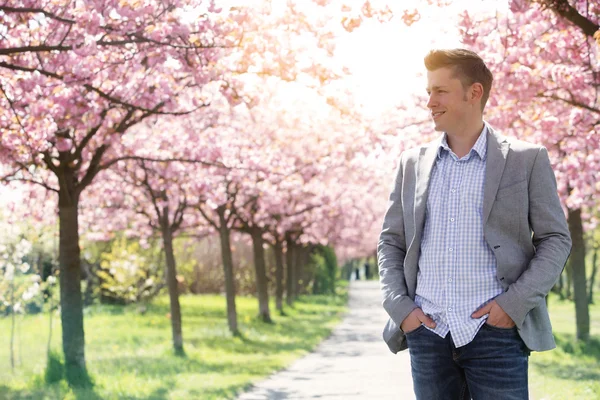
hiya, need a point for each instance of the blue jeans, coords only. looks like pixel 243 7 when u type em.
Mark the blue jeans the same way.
pixel 491 367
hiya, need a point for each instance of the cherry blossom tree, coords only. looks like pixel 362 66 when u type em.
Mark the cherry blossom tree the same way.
pixel 270 47
pixel 76 78
pixel 162 193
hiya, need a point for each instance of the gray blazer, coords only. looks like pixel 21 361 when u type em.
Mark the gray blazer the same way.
pixel 524 225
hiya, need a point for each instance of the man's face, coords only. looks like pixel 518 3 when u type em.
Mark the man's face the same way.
pixel 448 102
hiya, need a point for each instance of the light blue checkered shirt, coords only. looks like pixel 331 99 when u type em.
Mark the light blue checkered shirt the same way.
pixel 457 269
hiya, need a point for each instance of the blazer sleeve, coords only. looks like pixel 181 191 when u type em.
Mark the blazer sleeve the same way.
pixel 391 251
pixel 551 240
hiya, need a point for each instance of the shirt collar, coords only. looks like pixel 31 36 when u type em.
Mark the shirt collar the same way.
pixel 480 146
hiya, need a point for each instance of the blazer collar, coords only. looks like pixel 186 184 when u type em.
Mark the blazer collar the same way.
pixel 427 157
pixel 496 151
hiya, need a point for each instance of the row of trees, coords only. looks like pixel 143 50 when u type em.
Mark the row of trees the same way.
pixel 178 118
pixel 145 120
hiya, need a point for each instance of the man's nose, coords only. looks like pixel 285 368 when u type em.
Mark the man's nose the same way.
pixel 431 102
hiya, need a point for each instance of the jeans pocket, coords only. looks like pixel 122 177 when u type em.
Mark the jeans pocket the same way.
pixel 419 329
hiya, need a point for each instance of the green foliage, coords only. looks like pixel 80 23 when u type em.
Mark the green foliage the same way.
pixel 326 269
pixel 187 261
pixel 130 354
pixel 127 272
pixel 20 286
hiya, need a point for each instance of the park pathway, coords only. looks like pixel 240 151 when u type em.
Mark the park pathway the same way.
pixel 353 363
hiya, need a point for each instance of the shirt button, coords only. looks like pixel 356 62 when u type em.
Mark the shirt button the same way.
pixel 449 279
pixel 450 249
pixel 451 219
pixel 453 190
pixel 449 308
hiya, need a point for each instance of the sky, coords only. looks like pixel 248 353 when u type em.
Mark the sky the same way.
pixel 386 58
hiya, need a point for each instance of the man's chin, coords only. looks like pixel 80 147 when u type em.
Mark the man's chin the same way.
pixel 438 127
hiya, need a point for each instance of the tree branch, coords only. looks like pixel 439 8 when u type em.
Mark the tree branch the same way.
pixel 568 12
pixel 32 49
pixel 570 102
pixel 44 185
pixel 49 163
pixel 93 169
pixel 139 40
pixel 146 183
pixel 12 107
pixel 179 213
pixel 28 69
pixel 207 218
pixel 24 10
pixel 86 139
pixel 150 159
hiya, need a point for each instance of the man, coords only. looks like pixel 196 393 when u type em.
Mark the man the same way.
pixel 473 240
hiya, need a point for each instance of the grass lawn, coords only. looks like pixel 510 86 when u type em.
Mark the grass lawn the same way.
pixel 570 371
pixel 129 354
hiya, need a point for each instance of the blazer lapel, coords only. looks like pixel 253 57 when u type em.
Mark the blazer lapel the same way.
pixel 427 158
pixel 497 149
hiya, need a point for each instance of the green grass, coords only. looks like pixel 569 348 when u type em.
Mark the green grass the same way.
pixel 129 355
pixel 571 371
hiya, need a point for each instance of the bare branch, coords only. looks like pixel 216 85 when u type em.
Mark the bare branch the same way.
pixel 28 69
pixel 93 169
pixel 86 139
pixel 179 213
pixel 207 218
pixel 44 185
pixel 12 107
pixel 117 43
pixel 570 102
pixel 31 49
pixel 150 159
pixel 146 183
pixel 24 10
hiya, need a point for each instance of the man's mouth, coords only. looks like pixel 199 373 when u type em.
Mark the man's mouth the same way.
pixel 437 114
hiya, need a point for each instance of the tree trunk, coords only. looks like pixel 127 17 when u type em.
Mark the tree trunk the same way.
pixel 569 285
pixel 167 236
pixel 560 286
pixel 290 277
pixel 228 273
pixel 298 269
pixel 302 271
pixel 71 303
pixel 306 268
pixel 261 275
pixel 593 277
pixel 310 270
pixel 582 314
pixel 88 294
pixel 278 249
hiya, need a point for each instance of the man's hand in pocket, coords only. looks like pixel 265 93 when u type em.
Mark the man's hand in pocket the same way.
pixel 415 319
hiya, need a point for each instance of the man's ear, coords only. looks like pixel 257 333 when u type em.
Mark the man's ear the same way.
pixel 476 92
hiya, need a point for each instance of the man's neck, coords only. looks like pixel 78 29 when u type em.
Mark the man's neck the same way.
pixel 462 142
